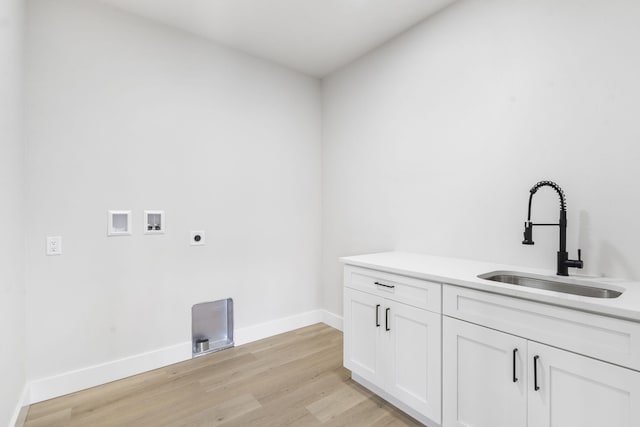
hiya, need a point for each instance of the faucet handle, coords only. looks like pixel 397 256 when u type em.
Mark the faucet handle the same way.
pixel 576 263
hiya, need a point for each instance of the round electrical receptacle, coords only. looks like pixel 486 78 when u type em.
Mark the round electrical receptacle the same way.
pixel 197 238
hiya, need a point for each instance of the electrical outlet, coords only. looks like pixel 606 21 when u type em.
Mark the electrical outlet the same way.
pixel 197 238
pixel 54 245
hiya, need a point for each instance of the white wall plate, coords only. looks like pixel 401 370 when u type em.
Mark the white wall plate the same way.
pixel 119 223
pixel 153 222
pixel 54 245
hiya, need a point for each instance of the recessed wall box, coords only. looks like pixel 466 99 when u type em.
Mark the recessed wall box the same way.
pixel 153 222
pixel 119 223
pixel 211 326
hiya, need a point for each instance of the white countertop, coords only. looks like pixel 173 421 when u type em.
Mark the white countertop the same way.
pixel 464 272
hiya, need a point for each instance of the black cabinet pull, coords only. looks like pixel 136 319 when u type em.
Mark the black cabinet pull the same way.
pixel 377 315
pixel 515 351
pixel 386 286
pixel 386 319
pixel 535 373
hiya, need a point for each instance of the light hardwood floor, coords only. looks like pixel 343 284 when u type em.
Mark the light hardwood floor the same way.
pixel 293 379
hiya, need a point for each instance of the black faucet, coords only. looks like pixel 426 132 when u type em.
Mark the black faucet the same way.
pixel 563 257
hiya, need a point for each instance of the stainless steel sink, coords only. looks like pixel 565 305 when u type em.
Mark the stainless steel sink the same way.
pixel 567 286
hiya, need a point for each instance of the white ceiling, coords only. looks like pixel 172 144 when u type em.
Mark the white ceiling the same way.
pixel 315 37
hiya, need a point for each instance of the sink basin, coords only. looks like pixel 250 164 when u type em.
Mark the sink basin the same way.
pixel 567 286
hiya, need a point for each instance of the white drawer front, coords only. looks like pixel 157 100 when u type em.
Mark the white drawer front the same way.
pixel 415 292
pixel 606 338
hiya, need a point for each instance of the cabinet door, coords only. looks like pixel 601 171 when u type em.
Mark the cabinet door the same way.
pixel 485 382
pixel 575 390
pixel 363 327
pixel 414 370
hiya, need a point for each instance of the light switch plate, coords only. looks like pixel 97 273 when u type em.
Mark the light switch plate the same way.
pixel 54 245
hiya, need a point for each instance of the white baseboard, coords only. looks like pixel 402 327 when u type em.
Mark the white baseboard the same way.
pixel 274 327
pixel 20 413
pixel 332 320
pixel 80 379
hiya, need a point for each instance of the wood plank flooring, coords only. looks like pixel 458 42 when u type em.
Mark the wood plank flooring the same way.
pixel 292 379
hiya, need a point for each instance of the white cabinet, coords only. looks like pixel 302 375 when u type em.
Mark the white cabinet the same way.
pixel 495 379
pixel 363 336
pixel 574 390
pixel 485 377
pixel 394 346
pixel 413 368
pixel 454 356
pixel 602 337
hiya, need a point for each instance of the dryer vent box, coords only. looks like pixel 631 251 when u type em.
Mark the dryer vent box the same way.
pixel 211 326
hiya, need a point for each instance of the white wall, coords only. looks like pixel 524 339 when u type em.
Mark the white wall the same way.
pixel 432 142
pixel 126 114
pixel 12 302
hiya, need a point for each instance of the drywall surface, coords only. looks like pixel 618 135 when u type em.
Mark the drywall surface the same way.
pixel 432 142
pixel 129 115
pixel 12 302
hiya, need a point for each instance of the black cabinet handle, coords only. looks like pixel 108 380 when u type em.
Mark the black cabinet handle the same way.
pixel 535 373
pixel 377 315
pixel 386 319
pixel 515 351
pixel 386 286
